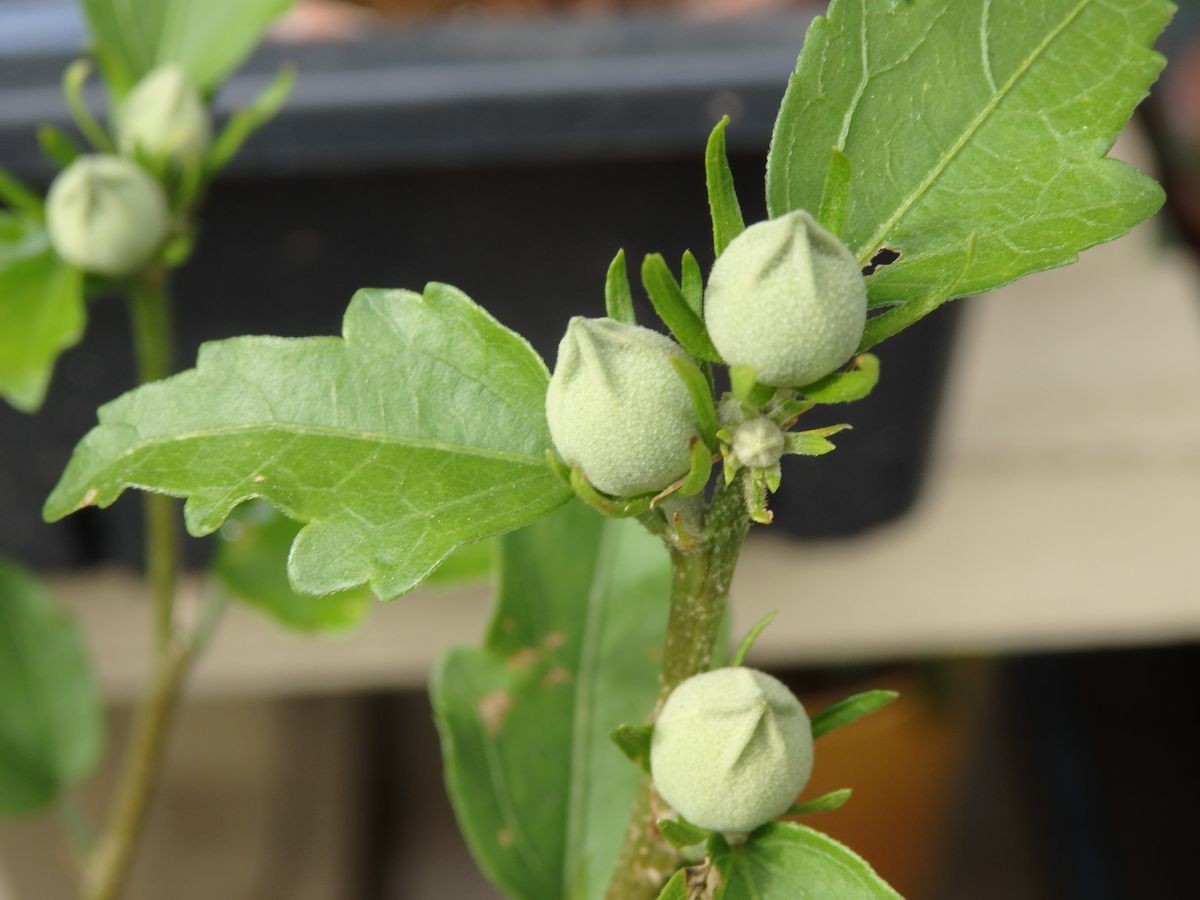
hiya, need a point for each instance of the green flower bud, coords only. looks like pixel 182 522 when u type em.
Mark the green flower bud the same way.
pixel 731 749
pixel 758 443
pixel 617 409
pixel 165 117
pixel 788 298
pixel 105 214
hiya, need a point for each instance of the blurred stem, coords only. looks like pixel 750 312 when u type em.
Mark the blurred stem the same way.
pixel 75 825
pixel 150 320
pixel 700 577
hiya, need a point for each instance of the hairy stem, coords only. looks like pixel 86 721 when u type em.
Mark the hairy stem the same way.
pixel 108 867
pixel 150 320
pixel 700 577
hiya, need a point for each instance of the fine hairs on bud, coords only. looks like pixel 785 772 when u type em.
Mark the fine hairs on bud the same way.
pixel 758 442
pixel 731 750
pixel 787 298
pixel 106 215
pixel 617 409
pixel 164 116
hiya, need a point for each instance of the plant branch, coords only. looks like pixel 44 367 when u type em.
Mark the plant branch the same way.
pixel 150 320
pixel 700 577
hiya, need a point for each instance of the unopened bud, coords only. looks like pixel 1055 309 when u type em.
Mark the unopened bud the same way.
pixel 787 298
pixel 758 443
pixel 164 116
pixel 106 215
pixel 731 749
pixel 617 409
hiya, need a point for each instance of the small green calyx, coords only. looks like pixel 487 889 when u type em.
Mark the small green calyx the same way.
pixel 731 749
pixel 106 215
pixel 758 443
pixel 788 299
pixel 617 409
pixel 165 117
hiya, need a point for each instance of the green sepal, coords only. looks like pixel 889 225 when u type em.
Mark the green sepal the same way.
pixel 613 507
pixel 756 500
pixel 850 710
pixel 244 122
pixel 558 467
pixel 835 196
pixel 73 80
pixel 739 655
pixel 855 383
pixel 723 203
pixel 691 282
pixel 812 443
pixel 618 297
pixel 20 198
pixel 699 471
pixel 787 412
pixel 680 833
pixel 703 403
pixel 634 742
pixel 58 146
pixel 772 477
pixel 742 381
pixel 667 298
pixel 825 803
pixel 676 888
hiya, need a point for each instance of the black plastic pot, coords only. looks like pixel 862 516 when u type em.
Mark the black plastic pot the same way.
pixel 511 161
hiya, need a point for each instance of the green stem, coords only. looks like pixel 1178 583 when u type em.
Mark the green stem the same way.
pixel 108 867
pixel 150 320
pixel 701 574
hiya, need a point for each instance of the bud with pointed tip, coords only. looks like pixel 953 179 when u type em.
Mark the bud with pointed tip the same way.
pixel 731 749
pixel 617 409
pixel 758 442
pixel 165 117
pixel 787 298
pixel 106 215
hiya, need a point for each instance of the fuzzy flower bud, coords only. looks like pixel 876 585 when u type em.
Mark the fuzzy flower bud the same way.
pixel 165 116
pixel 731 749
pixel 106 215
pixel 758 443
pixel 788 298
pixel 617 409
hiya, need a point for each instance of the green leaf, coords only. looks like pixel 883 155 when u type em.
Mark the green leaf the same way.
pixel 676 888
pixel 42 311
pixel 968 117
pixel 739 655
pixel 691 282
pixel 19 197
pixel 473 562
pixel 73 79
pixel 681 833
pixel 634 742
pixel 703 403
pixel 251 565
pixel 855 383
pixel 825 803
pixel 668 301
pixel 835 196
pixel 786 861
pixel 541 794
pixel 722 195
pixel 618 298
pixel 244 122
pixel 850 710
pixel 209 38
pixel 51 717
pixel 421 430
pixel 814 442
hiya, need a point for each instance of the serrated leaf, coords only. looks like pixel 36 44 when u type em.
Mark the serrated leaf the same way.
pixel 786 861
pixel 251 565
pixel 209 38
pixel 855 383
pixel 421 430
pixel 967 117
pixel 51 717
pixel 42 311
pixel 473 562
pixel 850 710
pixel 723 204
pixel 541 794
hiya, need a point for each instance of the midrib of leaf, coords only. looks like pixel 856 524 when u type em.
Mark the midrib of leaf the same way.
pixel 581 724
pixel 374 437
pixel 957 147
